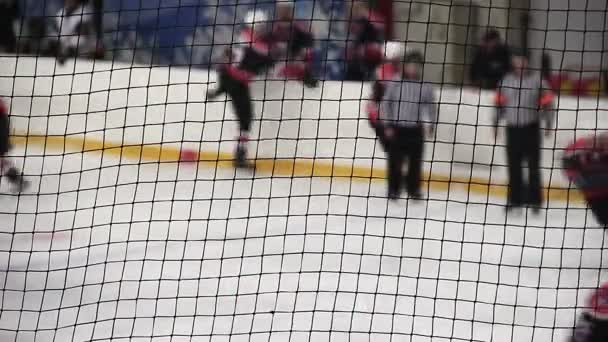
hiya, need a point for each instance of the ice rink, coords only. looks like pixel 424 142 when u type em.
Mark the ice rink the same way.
pixel 110 249
pixel 116 246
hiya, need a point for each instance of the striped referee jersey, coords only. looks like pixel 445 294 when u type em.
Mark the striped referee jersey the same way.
pixel 524 100
pixel 408 103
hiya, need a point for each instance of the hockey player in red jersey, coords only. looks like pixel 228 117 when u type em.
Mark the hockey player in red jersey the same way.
pixel 364 42
pixel 252 57
pixel 592 325
pixel 586 165
pixel 298 42
pixel 394 52
pixel 7 168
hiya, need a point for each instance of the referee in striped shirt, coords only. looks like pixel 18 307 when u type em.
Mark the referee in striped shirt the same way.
pixel 407 106
pixel 524 103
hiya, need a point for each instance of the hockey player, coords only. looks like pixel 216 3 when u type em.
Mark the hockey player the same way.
pixel 592 325
pixel 364 42
pixel 394 52
pixel 14 176
pixel 252 57
pixel 298 42
pixel 75 29
pixel 586 165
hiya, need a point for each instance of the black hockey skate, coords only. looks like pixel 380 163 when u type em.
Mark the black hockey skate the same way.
pixel 17 180
pixel 212 94
pixel 240 158
pixel 309 80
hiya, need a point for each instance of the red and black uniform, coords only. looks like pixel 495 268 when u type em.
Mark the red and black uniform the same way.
pixel 365 53
pixel 592 325
pixel 251 59
pixel 384 73
pixel 299 56
pixel 586 165
pixel 7 168
pixel 9 12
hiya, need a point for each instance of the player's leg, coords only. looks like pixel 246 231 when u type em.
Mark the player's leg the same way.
pixel 415 142
pixel 396 156
pixel 533 143
pixel 379 128
pixel 222 78
pixel 241 100
pixel 309 78
pixel 99 28
pixel 7 168
pixel 514 166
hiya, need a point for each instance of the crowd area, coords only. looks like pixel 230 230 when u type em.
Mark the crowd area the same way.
pixel 77 29
pixel 74 31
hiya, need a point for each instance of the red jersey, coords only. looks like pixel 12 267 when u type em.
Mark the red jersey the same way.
pixel 586 165
pixel 3 108
pixel 385 72
pixel 592 325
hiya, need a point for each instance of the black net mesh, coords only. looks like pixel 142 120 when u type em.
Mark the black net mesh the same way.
pixel 136 226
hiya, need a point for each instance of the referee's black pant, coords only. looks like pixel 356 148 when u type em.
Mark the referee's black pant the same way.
pixel 406 144
pixel 523 145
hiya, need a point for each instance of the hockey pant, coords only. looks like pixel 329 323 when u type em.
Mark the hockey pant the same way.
pixel 240 95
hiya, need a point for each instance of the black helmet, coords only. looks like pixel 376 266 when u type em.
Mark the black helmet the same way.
pixel 414 57
pixel 491 34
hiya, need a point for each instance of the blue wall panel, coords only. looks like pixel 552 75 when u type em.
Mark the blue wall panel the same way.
pixel 194 32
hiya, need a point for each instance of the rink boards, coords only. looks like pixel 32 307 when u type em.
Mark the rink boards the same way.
pixel 121 104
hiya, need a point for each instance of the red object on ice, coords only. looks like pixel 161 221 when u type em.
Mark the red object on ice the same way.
pixel 598 302
pixel 188 156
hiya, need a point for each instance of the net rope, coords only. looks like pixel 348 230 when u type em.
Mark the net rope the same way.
pixel 137 227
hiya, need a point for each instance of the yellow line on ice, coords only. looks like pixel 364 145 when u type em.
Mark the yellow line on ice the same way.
pixel 279 167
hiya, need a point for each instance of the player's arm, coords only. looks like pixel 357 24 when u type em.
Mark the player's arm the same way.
pixel 475 70
pixel 3 108
pixel 429 107
pixel 500 101
pixel 389 104
pixel 546 105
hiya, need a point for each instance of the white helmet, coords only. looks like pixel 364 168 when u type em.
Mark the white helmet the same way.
pixel 255 17
pixel 394 50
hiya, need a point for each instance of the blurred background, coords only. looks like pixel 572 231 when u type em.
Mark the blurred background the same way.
pixel 567 39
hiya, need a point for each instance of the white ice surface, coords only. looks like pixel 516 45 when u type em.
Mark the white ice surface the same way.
pixel 109 249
